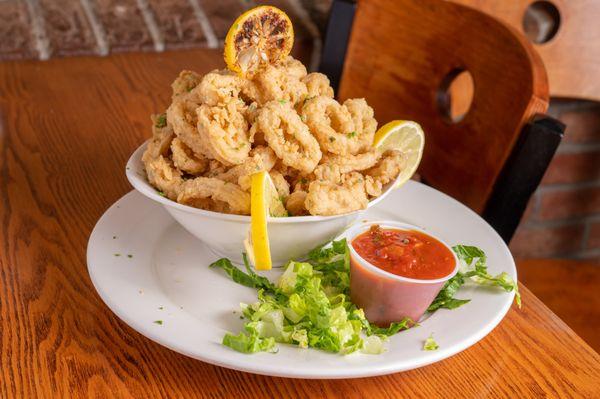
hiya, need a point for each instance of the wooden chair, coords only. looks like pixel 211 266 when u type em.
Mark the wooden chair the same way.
pixel 570 51
pixel 402 56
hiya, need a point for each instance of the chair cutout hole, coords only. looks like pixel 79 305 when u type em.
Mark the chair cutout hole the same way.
pixel 541 21
pixel 456 95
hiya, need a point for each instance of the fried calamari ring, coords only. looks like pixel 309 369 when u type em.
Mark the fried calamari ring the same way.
pixel 318 84
pixel 295 203
pixel 181 115
pixel 185 83
pixel 329 198
pixel 364 121
pixel 293 67
pixel 164 176
pixel 351 163
pixel 218 190
pixel 218 88
pixel 274 83
pixel 185 160
pixel 331 124
pixel 262 158
pixel 388 168
pixel 288 136
pixel 282 186
pixel 225 131
pixel 162 135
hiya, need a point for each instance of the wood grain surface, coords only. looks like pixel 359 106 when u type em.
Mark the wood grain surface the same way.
pixel 570 289
pixel 573 55
pixel 401 56
pixel 67 127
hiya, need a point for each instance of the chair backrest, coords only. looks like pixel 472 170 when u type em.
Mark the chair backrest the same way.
pixel 571 53
pixel 401 57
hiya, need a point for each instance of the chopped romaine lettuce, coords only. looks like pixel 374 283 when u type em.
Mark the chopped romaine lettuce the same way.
pixel 473 268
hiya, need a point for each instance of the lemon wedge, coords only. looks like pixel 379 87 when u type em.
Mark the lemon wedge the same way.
pixel 264 201
pixel 261 35
pixel 406 137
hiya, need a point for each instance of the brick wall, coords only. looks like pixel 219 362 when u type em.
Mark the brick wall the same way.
pixel 563 216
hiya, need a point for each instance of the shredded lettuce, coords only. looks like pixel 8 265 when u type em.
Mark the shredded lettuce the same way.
pixel 430 344
pixel 473 268
pixel 309 306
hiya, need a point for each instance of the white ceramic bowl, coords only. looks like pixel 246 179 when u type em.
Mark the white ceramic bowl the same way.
pixel 290 238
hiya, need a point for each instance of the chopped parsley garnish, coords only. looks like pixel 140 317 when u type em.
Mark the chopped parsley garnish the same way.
pixel 303 180
pixel 117 254
pixel 161 193
pixel 430 344
pixel 161 121
pixel 114 237
pixel 351 135
pixel 160 308
pixel 129 256
pixel 331 139
pixel 282 101
pixel 159 322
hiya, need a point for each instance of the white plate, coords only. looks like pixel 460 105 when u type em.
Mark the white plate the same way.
pixel 167 278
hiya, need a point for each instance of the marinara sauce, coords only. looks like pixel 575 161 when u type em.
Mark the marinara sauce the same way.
pixel 406 253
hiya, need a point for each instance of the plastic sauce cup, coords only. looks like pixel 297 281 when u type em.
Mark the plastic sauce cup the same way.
pixel 386 297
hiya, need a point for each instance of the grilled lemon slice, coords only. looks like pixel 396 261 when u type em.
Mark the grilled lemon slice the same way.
pixel 262 35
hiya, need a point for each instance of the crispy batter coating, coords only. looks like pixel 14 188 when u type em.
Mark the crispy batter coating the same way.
pixel 225 131
pixel 218 88
pixel 330 198
pixel 317 84
pixel 295 203
pixel 206 187
pixel 164 176
pixel 364 121
pixel 221 128
pixel 331 124
pixel 185 83
pixel 351 163
pixel 288 136
pixel 185 160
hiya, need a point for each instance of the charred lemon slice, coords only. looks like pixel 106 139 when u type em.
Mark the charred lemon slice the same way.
pixel 259 36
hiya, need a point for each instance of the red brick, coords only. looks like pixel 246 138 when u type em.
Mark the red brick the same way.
pixel 124 25
pixel 178 23
pixel 583 125
pixel 568 203
pixel 573 167
pixel 68 28
pixel 593 241
pixel 15 32
pixel 533 242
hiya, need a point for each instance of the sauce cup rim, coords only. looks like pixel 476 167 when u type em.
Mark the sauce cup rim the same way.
pixel 361 227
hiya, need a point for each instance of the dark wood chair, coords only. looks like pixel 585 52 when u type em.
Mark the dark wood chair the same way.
pixel 403 55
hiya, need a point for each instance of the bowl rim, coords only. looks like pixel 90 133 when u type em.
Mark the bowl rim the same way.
pixel 136 175
pixel 361 227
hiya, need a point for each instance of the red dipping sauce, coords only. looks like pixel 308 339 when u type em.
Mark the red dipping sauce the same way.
pixel 406 253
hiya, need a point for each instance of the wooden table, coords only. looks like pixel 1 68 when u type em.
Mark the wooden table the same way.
pixel 66 128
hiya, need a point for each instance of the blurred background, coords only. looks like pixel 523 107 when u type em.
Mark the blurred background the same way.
pixel 563 216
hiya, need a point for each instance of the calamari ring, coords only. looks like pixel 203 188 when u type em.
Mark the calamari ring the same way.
pixel 282 186
pixel 350 163
pixel 318 84
pixel 181 115
pixel 218 88
pixel 329 198
pixel 289 137
pixel 185 160
pixel 164 176
pixel 364 121
pixel 274 83
pixel 225 132
pixel 293 67
pixel 262 158
pixel 162 135
pixel 218 190
pixel 388 168
pixel 185 83
pixel 331 124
